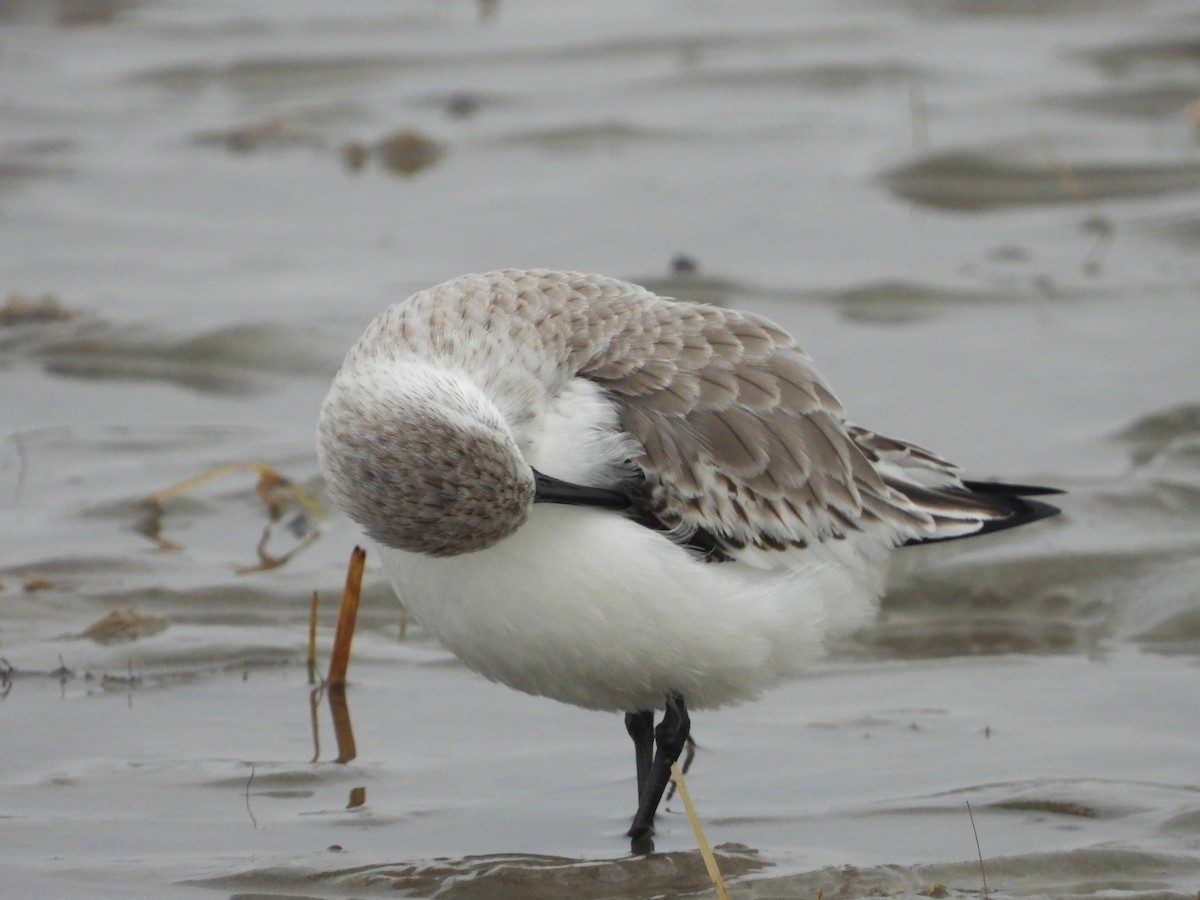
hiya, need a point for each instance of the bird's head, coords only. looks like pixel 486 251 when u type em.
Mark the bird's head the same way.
pixel 422 459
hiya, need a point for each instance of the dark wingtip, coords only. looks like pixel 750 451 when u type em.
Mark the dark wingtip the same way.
pixel 1023 512
pixel 1004 489
pixel 1013 496
pixel 1009 498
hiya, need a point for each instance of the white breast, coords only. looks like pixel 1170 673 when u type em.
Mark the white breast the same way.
pixel 586 607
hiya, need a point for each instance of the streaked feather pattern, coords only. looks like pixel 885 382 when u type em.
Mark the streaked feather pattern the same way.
pixel 734 433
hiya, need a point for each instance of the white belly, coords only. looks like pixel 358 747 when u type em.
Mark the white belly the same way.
pixel 588 608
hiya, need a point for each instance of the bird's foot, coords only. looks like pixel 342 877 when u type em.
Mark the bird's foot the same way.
pixel 643 844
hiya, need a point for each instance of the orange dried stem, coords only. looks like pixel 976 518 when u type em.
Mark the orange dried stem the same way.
pixel 269 481
pixel 343 731
pixel 339 659
pixel 312 637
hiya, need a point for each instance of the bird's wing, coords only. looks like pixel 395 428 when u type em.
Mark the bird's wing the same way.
pixel 741 437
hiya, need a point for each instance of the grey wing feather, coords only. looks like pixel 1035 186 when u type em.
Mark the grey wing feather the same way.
pixel 743 439
pixel 740 436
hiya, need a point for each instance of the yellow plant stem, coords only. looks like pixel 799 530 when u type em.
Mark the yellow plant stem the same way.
pixel 710 861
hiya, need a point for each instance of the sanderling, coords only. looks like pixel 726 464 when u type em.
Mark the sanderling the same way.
pixel 595 494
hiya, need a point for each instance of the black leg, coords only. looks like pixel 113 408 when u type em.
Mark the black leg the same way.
pixel 640 726
pixel 669 738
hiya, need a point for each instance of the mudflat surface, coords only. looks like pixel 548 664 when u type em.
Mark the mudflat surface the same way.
pixel 981 219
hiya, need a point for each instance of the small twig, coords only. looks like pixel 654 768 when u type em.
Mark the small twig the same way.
pixel 22 467
pixel 978 851
pixel 710 861
pixel 343 730
pixel 6 676
pixel 312 638
pixel 339 659
pixel 270 485
pixel 269 480
pixel 1103 225
pixel 918 113
pixel 314 703
pixel 248 809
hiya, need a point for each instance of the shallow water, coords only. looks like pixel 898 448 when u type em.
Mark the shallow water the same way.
pixel 981 219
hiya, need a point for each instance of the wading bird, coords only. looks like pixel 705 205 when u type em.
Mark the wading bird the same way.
pixel 591 493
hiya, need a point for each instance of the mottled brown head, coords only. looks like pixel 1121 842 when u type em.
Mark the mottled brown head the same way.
pixel 422 460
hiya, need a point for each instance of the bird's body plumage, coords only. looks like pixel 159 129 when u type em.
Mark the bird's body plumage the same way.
pixel 758 519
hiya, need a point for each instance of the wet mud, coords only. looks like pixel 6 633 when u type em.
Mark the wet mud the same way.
pixel 981 221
